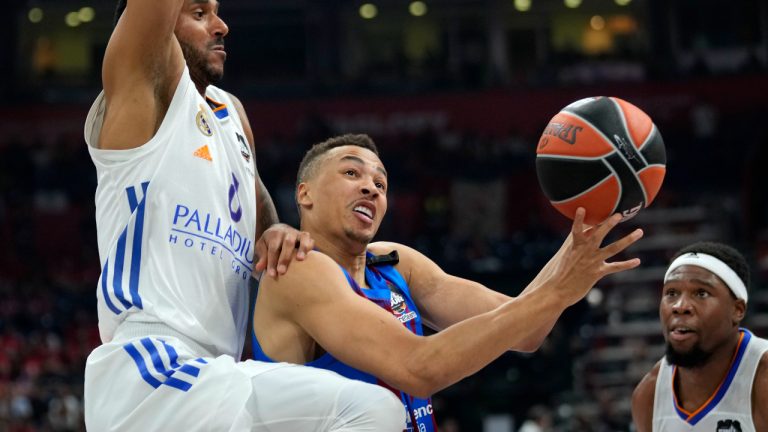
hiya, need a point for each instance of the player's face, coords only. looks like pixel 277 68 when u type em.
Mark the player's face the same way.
pixel 201 32
pixel 348 193
pixel 699 315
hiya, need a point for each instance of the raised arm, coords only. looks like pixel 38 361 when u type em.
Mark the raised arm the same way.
pixel 642 401
pixel 142 65
pixel 317 298
pixel 444 299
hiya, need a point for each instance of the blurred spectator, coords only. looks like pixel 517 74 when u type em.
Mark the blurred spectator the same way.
pixel 540 419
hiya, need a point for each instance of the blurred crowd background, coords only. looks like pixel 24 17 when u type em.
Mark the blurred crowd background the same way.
pixel 455 93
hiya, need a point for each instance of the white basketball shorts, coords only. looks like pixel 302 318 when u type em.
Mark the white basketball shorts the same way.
pixel 168 383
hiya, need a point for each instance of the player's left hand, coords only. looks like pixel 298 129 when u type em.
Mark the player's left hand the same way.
pixel 276 248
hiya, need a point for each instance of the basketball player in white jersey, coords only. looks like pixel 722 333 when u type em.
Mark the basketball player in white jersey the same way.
pixel 358 308
pixel 714 377
pixel 178 207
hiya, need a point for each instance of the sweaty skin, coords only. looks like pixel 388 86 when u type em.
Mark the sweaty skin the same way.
pixel 312 309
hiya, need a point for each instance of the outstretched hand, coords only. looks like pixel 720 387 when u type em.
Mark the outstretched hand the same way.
pixel 581 261
pixel 276 248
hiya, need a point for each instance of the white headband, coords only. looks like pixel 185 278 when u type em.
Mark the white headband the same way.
pixel 719 268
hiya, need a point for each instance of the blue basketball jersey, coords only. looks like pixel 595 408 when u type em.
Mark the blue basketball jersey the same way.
pixel 389 291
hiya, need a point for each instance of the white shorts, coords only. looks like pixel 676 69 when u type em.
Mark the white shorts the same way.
pixel 160 383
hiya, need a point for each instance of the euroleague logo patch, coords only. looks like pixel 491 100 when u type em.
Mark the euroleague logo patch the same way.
pixel 203 124
pixel 400 308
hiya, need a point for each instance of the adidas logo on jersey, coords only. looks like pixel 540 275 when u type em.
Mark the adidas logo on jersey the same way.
pixel 203 153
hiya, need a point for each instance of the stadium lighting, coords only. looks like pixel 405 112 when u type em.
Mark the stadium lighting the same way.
pixel 35 15
pixel 597 23
pixel 573 4
pixel 523 5
pixel 72 19
pixel 86 14
pixel 369 11
pixel 623 2
pixel 417 8
pixel 595 297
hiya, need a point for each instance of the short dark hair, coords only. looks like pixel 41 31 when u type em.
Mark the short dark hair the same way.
pixel 730 256
pixel 309 162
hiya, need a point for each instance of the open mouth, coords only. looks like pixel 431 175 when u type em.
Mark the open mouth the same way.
pixel 681 332
pixel 363 210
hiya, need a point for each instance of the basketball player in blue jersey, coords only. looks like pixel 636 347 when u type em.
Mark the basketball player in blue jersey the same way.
pixel 359 308
pixel 179 205
pixel 714 377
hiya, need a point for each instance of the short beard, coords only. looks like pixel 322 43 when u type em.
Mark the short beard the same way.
pixel 692 359
pixel 199 66
pixel 357 237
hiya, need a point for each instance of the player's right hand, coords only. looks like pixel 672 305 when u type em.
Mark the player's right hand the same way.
pixel 581 261
pixel 278 246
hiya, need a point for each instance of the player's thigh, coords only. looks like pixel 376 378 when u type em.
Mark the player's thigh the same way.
pixel 129 389
pixel 291 398
pixel 138 386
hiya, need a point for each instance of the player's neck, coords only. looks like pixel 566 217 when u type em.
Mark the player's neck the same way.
pixel 696 385
pixel 201 87
pixel 201 84
pixel 351 257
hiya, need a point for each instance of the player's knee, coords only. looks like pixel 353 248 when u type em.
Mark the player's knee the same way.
pixel 367 407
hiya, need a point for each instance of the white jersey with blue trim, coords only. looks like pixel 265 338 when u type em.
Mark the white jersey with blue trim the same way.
pixel 176 220
pixel 729 409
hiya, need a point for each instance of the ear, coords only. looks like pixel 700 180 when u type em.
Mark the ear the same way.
pixel 739 309
pixel 303 196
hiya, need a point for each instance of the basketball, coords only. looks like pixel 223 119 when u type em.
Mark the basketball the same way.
pixel 603 154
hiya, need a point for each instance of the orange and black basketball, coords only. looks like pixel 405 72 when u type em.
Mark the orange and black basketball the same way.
pixel 603 154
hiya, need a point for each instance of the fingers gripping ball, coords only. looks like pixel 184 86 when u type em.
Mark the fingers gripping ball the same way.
pixel 603 154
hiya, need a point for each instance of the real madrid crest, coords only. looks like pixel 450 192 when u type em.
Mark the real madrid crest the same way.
pixel 203 124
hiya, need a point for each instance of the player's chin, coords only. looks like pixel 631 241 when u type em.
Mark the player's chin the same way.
pixel 361 236
pixel 216 65
pixel 215 74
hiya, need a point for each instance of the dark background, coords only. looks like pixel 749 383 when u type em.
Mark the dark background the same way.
pixel 456 99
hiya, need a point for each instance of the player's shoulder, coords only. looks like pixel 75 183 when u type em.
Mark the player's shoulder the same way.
pixel 316 268
pixel 647 386
pixel 240 110
pixel 408 257
pixel 761 375
pixel 760 393
pixel 643 399
pixel 385 247
pixel 235 101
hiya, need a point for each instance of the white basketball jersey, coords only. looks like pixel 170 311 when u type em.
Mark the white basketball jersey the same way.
pixel 729 409
pixel 176 222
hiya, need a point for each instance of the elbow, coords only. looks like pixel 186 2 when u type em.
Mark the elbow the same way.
pixel 425 381
pixel 427 369
pixel 421 388
pixel 529 345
